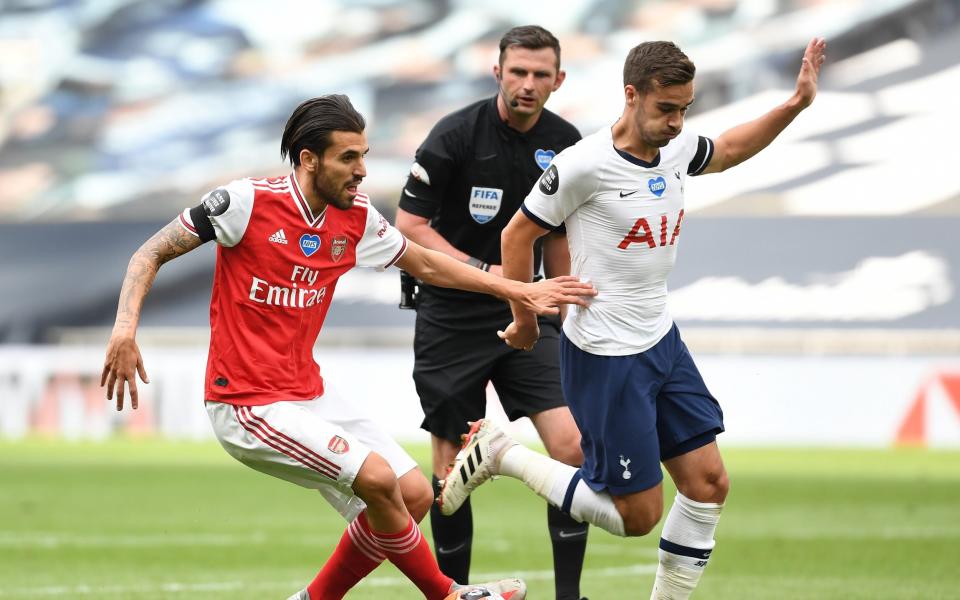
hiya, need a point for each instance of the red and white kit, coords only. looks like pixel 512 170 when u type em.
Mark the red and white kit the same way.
pixel 276 272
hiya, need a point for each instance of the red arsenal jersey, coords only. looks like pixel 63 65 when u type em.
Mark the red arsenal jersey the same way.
pixel 277 268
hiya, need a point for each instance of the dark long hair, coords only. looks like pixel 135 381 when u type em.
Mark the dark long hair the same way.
pixel 312 123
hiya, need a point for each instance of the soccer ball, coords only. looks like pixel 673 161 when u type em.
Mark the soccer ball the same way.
pixel 474 593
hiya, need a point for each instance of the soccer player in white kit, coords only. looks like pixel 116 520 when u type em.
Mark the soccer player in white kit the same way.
pixel 631 384
pixel 282 244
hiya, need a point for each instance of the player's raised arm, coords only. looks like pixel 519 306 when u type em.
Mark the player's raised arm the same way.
pixel 123 358
pixel 743 141
pixel 543 297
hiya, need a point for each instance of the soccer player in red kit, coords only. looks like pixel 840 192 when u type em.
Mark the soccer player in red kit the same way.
pixel 282 244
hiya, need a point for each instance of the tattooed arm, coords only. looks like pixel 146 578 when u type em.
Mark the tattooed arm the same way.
pixel 123 354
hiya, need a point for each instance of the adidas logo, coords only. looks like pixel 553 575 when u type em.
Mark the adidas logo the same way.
pixel 279 237
pixel 465 474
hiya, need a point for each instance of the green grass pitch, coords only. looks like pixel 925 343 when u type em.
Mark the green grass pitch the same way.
pixel 151 519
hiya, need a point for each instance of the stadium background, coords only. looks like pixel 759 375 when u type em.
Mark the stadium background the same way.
pixel 817 284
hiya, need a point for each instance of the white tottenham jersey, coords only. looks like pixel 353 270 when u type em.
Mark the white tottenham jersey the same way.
pixel 623 219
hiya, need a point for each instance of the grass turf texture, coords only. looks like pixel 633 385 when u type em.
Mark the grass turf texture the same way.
pixel 151 519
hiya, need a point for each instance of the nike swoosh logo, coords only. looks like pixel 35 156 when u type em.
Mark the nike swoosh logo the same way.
pixel 563 534
pixel 409 194
pixel 442 550
pixel 622 195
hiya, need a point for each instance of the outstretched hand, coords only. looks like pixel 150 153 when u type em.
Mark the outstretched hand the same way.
pixel 545 297
pixel 120 369
pixel 813 58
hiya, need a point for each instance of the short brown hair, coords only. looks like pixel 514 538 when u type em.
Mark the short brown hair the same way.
pixel 531 37
pixel 662 63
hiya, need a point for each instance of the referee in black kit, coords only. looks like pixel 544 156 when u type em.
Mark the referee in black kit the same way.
pixel 470 176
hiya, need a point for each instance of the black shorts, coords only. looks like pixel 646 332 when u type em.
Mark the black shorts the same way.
pixel 452 368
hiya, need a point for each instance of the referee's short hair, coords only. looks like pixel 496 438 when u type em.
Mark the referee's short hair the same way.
pixel 660 63
pixel 531 37
pixel 312 123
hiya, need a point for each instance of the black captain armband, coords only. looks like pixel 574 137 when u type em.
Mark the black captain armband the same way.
pixel 476 262
pixel 198 214
pixel 701 160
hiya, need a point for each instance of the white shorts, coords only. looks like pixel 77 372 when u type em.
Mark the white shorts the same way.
pixel 319 444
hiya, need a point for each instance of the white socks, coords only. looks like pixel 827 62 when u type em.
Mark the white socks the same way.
pixel 596 508
pixel 687 538
pixel 561 486
pixel 685 547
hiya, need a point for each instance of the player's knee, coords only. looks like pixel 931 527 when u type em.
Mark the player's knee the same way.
pixel 640 520
pixel 376 483
pixel 712 485
pixel 720 484
pixel 417 495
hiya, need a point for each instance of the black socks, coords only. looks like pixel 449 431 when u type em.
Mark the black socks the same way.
pixel 452 538
pixel 569 539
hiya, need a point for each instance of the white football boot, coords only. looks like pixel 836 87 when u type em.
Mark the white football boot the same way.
pixel 301 595
pixel 477 461
pixel 507 589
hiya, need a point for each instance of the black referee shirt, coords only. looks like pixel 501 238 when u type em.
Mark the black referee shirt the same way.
pixel 471 175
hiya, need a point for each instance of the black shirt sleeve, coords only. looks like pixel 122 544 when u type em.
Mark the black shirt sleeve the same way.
pixel 429 175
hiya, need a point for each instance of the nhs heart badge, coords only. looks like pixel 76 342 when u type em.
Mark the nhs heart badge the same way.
pixel 657 185
pixel 544 158
pixel 309 243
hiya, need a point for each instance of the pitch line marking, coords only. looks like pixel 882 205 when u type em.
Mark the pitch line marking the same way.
pixel 55 541
pixel 214 586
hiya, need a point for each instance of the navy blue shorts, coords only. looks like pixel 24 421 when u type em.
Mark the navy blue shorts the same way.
pixel 635 411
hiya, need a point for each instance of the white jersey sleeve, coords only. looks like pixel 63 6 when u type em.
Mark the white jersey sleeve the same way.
pixel 227 209
pixel 382 244
pixel 562 188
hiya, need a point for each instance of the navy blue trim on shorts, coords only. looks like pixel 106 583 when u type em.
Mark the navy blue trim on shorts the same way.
pixel 697 441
